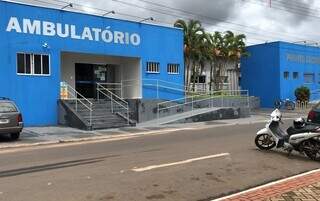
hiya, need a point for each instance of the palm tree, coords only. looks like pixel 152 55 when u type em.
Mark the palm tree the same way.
pixel 215 42
pixel 192 31
pixel 226 48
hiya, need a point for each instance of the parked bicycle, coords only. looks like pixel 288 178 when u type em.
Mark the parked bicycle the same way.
pixel 287 104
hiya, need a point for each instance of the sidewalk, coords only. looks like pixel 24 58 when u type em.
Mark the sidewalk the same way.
pixel 304 187
pixel 50 135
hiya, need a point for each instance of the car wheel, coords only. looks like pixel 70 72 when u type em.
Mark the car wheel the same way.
pixel 15 136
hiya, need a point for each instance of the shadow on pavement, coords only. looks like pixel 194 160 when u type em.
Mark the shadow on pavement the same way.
pixel 294 155
pixel 6 138
pixel 53 166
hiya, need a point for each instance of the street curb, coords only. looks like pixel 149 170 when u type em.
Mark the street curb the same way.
pixel 127 135
pixel 90 139
pixel 229 197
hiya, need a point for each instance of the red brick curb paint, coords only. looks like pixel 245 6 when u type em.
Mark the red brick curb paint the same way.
pixel 278 188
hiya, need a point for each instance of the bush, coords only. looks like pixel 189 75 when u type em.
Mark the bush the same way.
pixel 302 93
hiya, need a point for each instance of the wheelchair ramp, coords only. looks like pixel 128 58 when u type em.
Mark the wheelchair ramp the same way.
pixel 177 117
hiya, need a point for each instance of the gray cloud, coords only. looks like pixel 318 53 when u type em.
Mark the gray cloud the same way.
pixel 299 11
pixel 219 10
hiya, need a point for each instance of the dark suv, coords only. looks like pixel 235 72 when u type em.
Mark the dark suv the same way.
pixel 10 119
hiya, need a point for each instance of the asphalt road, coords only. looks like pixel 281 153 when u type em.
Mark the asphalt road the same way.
pixel 104 171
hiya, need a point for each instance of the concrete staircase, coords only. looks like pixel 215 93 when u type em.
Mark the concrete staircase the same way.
pixel 102 117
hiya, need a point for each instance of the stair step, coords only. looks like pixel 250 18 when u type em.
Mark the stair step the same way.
pixel 105 126
pixel 107 120
pixel 101 116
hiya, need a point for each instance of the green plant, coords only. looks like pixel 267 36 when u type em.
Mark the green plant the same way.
pixel 302 93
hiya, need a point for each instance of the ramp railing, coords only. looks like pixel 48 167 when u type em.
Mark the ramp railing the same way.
pixel 218 99
pixel 117 104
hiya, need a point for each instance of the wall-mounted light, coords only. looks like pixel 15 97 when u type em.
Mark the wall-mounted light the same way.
pixel 45 45
pixel 146 19
pixel 110 12
pixel 66 6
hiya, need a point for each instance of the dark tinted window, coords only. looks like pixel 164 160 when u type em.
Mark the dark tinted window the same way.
pixel 21 63
pixel 28 64
pixel 45 63
pixel 37 64
pixel 7 107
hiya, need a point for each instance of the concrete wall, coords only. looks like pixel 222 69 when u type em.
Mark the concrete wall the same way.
pixel 145 110
pixel 231 72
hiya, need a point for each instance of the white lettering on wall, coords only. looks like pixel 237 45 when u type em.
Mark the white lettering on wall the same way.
pixel 304 59
pixel 32 27
pixel 14 25
pixel 86 34
pixel 62 33
pixel 47 28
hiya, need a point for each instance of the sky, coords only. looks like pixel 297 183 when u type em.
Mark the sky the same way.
pixel 260 20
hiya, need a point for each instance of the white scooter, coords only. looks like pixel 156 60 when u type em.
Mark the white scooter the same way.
pixel 302 137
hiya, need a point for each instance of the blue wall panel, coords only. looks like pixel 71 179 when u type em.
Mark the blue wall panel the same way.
pixel 263 72
pixel 37 96
pixel 301 59
pixel 260 73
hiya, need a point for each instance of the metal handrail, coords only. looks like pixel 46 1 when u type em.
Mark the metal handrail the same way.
pixel 193 101
pixel 75 95
pixel 113 94
pixel 101 89
pixel 117 86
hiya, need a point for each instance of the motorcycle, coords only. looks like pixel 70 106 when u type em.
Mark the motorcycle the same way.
pixel 302 137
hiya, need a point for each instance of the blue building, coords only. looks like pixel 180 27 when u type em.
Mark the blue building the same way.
pixel 42 47
pixel 274 70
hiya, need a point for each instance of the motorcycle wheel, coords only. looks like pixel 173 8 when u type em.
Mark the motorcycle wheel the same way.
pixel 311 149
pixel 264 142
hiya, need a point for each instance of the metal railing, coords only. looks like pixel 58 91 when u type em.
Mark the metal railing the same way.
pixel 154 84
pixel 229 98
pixel 114 87
pixel 117 104
pixel 69 93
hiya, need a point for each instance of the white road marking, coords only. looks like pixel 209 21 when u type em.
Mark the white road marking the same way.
pixel 266 185
pixel 179 162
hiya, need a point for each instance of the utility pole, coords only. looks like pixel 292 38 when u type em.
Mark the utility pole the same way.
pixel 270 2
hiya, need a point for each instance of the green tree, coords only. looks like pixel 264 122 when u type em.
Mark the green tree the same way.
pixel 302 94
pixel 193 32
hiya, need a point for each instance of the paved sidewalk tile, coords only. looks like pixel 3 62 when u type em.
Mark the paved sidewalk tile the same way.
pixel 307 193
pixel 301 188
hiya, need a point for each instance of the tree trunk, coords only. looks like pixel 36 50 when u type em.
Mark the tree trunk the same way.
pixel 211 76
pixel 187 81
pixel 217 78
pixel 194 75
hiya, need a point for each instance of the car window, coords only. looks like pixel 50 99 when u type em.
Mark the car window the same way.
pixel 7 107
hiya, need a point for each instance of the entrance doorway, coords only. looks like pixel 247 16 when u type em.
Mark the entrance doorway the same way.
pixel 83 71
pixel 88 75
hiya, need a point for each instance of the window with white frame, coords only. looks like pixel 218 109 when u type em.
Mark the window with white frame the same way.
pixel 308 78
pixel 153 67
pixel 33 64
pixel 173 68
